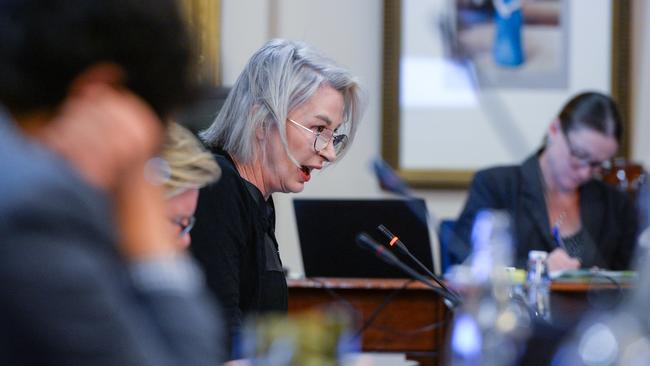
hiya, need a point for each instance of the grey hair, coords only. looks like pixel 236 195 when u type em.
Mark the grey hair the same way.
pixel 279 77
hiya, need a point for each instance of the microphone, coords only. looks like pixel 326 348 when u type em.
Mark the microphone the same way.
pixel 366 242
pixel 394 240
pixel 393 183
pixel 388 180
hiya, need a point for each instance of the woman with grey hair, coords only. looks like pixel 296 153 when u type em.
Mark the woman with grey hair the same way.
pixel 290 112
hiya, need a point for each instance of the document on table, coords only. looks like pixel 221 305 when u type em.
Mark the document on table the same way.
pixel 593 275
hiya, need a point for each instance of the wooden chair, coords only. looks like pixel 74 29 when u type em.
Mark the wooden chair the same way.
pixel 625 175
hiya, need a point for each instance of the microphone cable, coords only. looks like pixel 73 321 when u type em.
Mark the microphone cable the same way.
pixel 379 308
pixel 335 295
pixel 595 294
pixel 368 323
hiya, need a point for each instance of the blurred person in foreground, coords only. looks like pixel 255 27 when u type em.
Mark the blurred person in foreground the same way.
pixel 556 204
pixel 186 167
pixel 290 113
pixel 89 273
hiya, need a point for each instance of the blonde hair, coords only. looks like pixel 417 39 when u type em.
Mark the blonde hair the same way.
pixel 189 164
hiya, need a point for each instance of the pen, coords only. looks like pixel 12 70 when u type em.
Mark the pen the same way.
pixel 557 238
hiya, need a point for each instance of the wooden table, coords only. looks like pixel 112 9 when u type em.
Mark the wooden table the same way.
pixel 412 319
pixel 571 300
pixel 408 317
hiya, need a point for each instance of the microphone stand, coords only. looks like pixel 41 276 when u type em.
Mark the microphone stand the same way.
pixel 394 240
pixel 366 242
pixel 391 182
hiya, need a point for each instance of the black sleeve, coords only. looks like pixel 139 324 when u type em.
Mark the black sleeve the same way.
pixel 481 195
pixel 219 240
pixel 629 221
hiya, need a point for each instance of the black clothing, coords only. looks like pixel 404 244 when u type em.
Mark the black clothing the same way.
pixel 576 243
pixel 608 216
pixel 234 240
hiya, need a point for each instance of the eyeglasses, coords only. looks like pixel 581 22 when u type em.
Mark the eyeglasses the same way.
pixel 581 159
pixel 324 136
pixel 185 223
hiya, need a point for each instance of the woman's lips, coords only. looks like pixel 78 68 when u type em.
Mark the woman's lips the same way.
pixel 305 173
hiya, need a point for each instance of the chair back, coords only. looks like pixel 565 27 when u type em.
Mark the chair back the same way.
pixel 445 232
pixel 625 175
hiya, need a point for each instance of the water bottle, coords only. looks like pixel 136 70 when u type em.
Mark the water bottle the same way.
pixel 507 49
pixel 538 284
pixel 488 329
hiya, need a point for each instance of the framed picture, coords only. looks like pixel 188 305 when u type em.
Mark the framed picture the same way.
pixel 475 83
pixel 203 19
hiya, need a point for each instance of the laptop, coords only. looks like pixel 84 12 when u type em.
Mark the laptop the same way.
pixel 327 229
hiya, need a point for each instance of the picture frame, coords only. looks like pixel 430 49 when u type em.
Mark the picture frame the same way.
pixel 457 143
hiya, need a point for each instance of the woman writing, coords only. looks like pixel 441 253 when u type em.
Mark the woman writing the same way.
pixel 555 203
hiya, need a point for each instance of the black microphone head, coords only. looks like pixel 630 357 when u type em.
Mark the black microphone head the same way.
pixel 384 230
pixel 393 239
pixel 388 179
pixel 366 241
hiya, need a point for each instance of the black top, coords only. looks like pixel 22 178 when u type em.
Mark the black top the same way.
pixel 608 216
pixel 234 240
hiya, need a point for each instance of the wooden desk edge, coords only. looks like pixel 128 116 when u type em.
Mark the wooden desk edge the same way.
pixel 395 283
pixel 356 283
pixel 579 286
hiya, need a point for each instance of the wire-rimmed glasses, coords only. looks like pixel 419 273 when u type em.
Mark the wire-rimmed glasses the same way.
pixel 185 223
pixel 323 137
pixel 581 159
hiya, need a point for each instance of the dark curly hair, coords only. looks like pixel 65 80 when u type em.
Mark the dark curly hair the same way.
pixel 44 45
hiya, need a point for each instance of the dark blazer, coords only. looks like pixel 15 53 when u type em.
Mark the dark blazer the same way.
pixel 66 295
pixel 607 215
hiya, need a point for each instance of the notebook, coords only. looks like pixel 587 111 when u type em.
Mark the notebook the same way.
pixel 327 229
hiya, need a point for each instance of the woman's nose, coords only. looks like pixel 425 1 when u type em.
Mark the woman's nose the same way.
pixel 329 153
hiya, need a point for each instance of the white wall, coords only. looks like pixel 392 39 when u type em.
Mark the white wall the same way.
pixel 641 82
pixel 351 33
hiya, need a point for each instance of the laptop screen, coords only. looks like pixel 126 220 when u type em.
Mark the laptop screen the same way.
pixel 327 229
